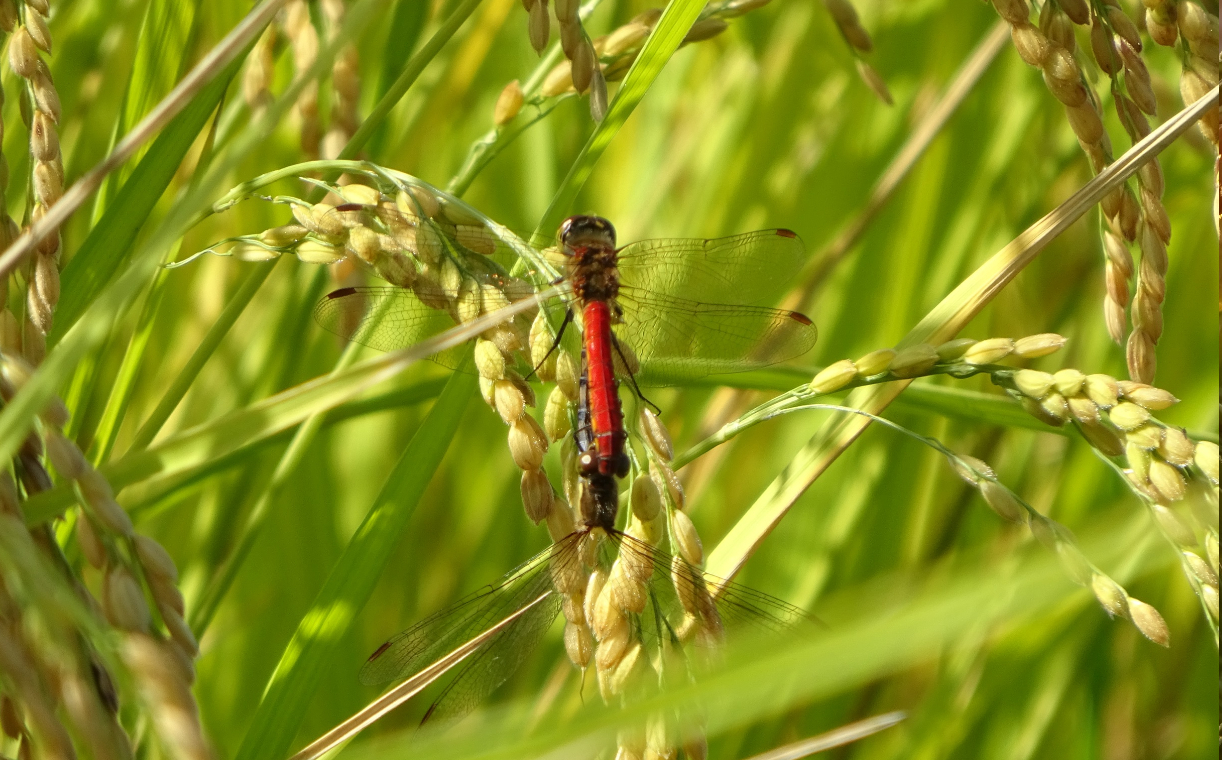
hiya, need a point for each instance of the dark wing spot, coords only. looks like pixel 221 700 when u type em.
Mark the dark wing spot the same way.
pixel 786 233
pixel 798 316
pixel 379 651
pixel 350 207
pixel 340 293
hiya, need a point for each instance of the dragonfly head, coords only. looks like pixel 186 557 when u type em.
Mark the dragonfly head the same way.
pixel 579 232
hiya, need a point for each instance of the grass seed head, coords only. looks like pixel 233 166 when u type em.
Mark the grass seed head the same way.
pixel 489 361
pixel 594 587
pixel 508 400
pixel 914 361
pixel 560 521
pixel 1035 346
pixel 537 495
pixel 1013 11
pixel 155 559
pixel 1068 382
pixel 1056 409
pixel 989 351
pixel 1110 595
pixel 123 601
pixel 65 456
pixel 834 377
pixel 705 29
pixel 1147 396
pixel 1206 459
pixel 1139 462
pixel 584 62
pixel 1103 48
pixel 395 268
pixel 1209 595
pixel 646 500
pixel 1128 416
pixel 656 435
pixel 626 592
pixel 573 607
pixel 1001 500
pixel 556 419
pixel 971 469
pixel 1176 447
pixel 874 81
pixel 687 540
pixel 627 670
pixel 1099 435
pixel 1033 383
pixel 1168 480
pixel 1148 437
pixel 875 362
pixel 1033 45
pixel 1102 389
pixel 540 345
pixel 1200 569
pixel 846 19
pixel 558 81
pixel 954 349
pixel 579 644
pixel 23 54
pixel 91 546
pixel 524 444
pixel 1149 622
pixel 508 104
pixel 627 37
pixel 666 478
pixel 568 375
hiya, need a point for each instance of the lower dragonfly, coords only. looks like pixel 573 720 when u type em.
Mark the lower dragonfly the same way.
pixel 682 609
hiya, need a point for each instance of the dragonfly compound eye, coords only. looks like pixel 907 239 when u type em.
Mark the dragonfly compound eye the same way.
pixel 587 232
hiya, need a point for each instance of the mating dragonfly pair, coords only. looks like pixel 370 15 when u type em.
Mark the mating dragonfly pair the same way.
pixel 628 303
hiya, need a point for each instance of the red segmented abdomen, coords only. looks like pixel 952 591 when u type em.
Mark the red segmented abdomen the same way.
pixel 606 415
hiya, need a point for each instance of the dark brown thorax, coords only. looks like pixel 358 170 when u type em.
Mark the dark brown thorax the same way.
pixel 589 241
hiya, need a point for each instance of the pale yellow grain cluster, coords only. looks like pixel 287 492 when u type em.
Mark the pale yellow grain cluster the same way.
pixel 157 644
pixel 303 42
pixel 345 85
pixel 1132 217
pixel 259 72
pixel 1111 595
pixel 845 17
pixel 30 38
pixel 1167 21
pixel 581 61
pixel 590 64
pixel 410 239
pixel 10 328
pixel 1176 476
pixel 924 359
pixel 623 668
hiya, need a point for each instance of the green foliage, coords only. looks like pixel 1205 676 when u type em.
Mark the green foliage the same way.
pixel 316 504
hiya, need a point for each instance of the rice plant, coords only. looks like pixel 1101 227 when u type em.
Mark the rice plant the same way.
pixel 977 518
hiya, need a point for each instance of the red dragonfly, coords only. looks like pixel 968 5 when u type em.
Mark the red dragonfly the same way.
pixel 729 608
pixel 627 296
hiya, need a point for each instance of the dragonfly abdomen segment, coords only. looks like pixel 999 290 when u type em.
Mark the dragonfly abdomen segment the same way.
pixel 606 414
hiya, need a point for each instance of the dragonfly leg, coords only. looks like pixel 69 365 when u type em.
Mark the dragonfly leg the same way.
pixel 568 319
pixel 636 389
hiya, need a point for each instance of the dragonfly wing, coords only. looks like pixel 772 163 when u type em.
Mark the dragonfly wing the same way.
pixel 677 339
pixel 752 268
pixel 496 661
pixel 385 318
